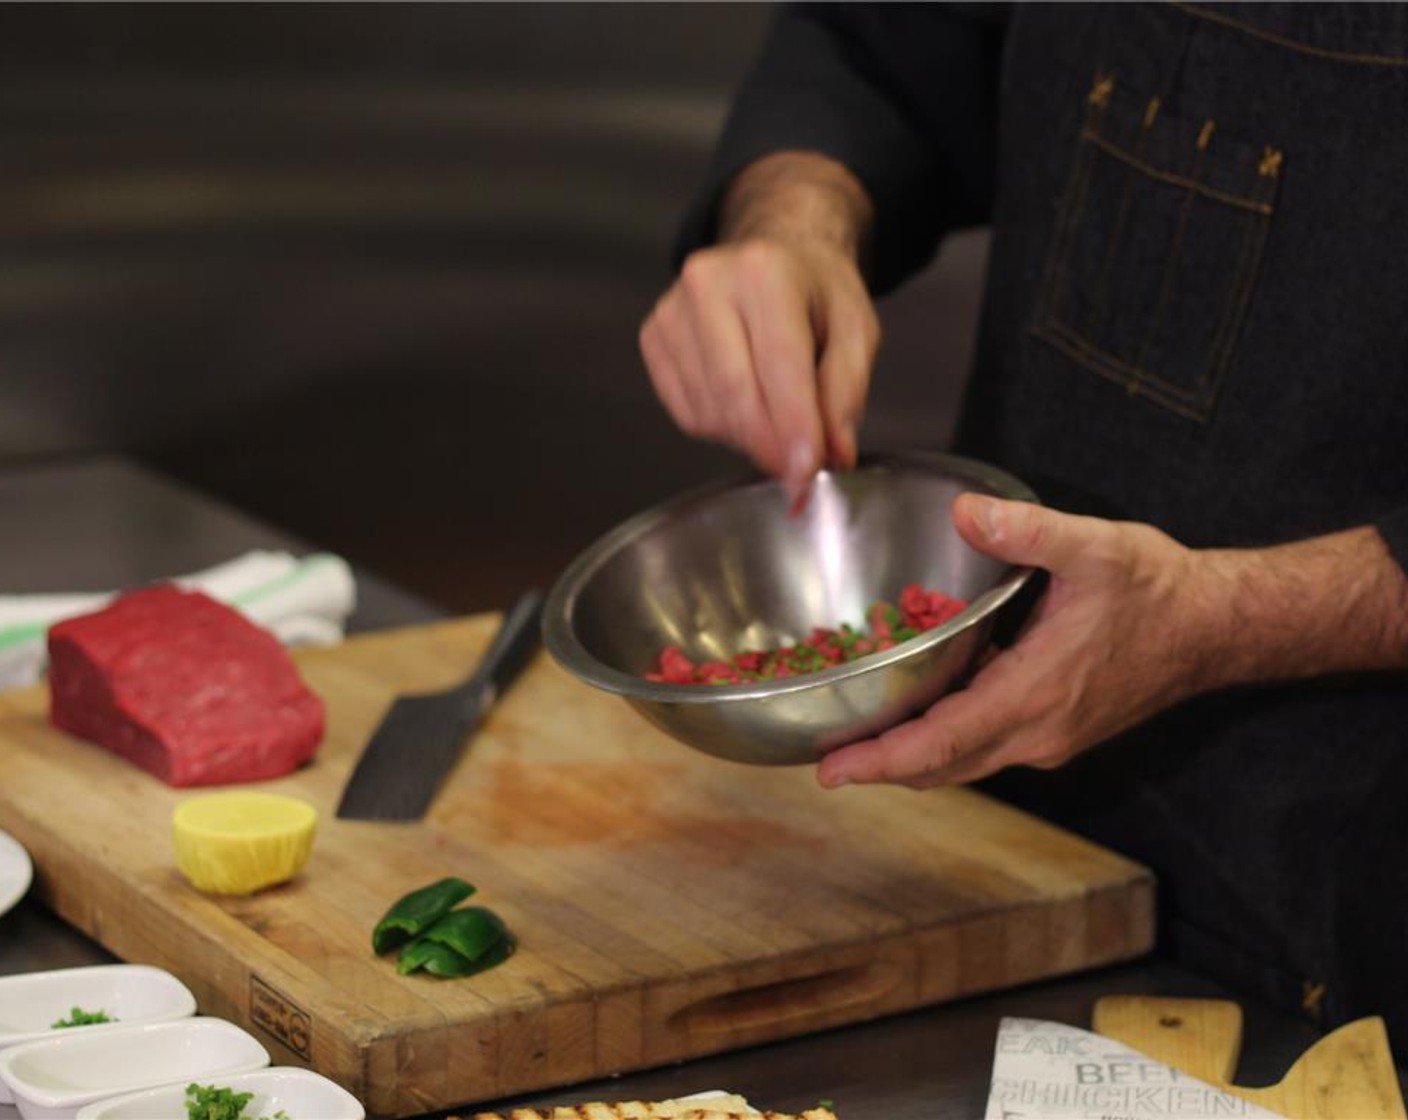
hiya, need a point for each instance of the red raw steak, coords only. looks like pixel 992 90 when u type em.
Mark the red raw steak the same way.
pixel 185 687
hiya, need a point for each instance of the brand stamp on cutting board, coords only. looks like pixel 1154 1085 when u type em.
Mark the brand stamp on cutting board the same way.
pixel 280 1016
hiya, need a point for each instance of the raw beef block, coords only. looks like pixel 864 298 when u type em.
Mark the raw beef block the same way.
pixel 185 687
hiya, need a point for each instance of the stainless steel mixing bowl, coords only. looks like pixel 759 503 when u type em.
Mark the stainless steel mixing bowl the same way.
pixel 725 569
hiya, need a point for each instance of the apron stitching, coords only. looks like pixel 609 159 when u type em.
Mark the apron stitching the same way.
pixel 1175 254
pixel 1254 241
pixel 1096 313
pixel 1239 290
pixel 1193 403
pixel 1129 372
pixel 1237 315
pixel 1242 202
pixel 1229 317
pixel 1199 12
pixel 1065 234
pixel 1105 366
pixel 1073 202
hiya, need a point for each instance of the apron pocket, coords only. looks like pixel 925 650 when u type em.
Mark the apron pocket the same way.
pixel 1156 247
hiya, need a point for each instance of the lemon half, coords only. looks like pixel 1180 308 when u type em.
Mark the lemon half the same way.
pixel 237 841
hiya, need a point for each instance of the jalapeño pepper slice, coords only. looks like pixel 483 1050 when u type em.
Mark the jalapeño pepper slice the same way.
pixel 418 911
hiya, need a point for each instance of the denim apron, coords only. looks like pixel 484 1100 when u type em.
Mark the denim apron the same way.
pixel 1197 317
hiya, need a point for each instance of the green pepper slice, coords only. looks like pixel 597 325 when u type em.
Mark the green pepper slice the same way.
pixel 500 952
pixel 470 932
pixel 440 960
pixel 431 956
pixel 418 911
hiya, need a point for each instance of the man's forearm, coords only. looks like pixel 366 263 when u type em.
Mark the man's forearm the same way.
pixel 1333 604
pixel 800 196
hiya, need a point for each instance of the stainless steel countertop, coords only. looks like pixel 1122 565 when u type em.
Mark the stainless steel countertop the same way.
pixel 102 522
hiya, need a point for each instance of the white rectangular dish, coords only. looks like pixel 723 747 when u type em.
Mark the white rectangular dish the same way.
pixel 16 871
pixel 53 1078
pixel 299 1093
pixel 31 1003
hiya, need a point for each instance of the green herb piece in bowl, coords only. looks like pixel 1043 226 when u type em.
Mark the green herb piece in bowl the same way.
pixel 77 1017
pixel 413 914
pixel 210 1102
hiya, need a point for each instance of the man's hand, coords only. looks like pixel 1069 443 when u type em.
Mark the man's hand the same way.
pixel 1132 623
pixel 766 340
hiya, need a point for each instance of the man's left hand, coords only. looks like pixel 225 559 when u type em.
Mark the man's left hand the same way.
pixel 1120 633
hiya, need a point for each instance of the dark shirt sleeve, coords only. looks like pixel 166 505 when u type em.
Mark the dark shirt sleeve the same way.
pixel 902 94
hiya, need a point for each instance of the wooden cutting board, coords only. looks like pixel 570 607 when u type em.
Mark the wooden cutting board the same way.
pixel 667 904
pixel 1347 1075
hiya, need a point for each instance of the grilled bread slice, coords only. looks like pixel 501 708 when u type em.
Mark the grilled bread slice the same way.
pixel 732 1108
pixel 728 1104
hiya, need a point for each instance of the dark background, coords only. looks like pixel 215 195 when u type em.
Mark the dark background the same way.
pixel 374 272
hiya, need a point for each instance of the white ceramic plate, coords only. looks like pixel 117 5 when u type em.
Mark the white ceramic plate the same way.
pixel 15 871
pixel 300 1093
pixel 31 1002
pixel 53 1078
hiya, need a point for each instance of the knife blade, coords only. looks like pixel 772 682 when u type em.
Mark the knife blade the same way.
pixel 421 736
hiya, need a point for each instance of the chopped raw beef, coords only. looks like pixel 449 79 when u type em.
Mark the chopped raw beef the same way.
pixel 919 609
pixel 185 687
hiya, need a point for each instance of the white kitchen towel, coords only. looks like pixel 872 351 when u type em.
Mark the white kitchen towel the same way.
pixel 302 600
pixel 1049 1071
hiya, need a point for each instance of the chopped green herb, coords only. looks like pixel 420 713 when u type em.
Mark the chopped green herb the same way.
pixel 209 1102
pixel 80 1018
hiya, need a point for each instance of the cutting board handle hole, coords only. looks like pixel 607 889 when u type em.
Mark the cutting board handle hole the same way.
pixel 1170 1021
pixel 813 996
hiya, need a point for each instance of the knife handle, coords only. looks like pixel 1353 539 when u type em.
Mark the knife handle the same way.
pixel 515 644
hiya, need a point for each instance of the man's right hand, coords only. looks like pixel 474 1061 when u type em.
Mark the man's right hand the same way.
pixel 766 340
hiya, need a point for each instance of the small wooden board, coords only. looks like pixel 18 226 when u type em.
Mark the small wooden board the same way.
pixel 667 904
pixel 1347 1075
